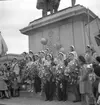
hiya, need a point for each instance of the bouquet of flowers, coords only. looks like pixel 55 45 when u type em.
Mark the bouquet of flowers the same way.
pixel 72 71
pixel 30 72
pixel 59 73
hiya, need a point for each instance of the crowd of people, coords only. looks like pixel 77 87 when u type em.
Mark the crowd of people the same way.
pixel 53 75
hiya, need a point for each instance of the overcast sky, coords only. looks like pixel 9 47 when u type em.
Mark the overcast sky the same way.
pixel 16 14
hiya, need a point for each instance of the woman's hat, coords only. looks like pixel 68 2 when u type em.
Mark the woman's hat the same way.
pixel 88 46
pixel 42 51
pixel 61 53
pixel 49 55
pixel 36 54
pixel 72 46
pixel 30 51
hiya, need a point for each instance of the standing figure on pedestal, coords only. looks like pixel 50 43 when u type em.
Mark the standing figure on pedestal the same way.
pixel 73 2
pixel 48 5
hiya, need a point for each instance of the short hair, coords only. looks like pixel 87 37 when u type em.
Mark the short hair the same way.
pixel 82 59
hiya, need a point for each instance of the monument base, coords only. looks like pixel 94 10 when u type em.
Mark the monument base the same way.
pixel 71 96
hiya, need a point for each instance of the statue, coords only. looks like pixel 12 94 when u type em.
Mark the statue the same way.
pixel 48 5
pixel 73 2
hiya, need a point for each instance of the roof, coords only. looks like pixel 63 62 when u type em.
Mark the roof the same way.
pixel 60 15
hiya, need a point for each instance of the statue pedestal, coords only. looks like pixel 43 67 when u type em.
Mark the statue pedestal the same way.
pixel 66 27
pixel 71 96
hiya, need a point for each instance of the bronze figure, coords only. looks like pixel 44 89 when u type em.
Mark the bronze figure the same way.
pixel 48 5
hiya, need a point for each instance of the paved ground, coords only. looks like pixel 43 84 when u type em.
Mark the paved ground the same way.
pixel 33 100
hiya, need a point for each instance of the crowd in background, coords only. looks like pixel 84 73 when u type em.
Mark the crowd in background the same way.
pixel 53 75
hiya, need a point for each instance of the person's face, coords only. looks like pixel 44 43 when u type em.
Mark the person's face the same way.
pixel 29 59
pixel 60 56
pixel 48 58
pixel 36 57
pixel 42 54
pixel 14 60
pixel 46 51
pixel 71 49
pixel 30 53
pixel 88 49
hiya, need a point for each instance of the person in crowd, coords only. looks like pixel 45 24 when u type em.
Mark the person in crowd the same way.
pixel 37 79
pixel 66 61
pixel 73 80
pixel 88 55
pixel 95 84
pixel 36 58
pixel 15 87
pixel 61 81
pixel 49 86
pixel 72 50
pixel 31 55
pixel 28 68
pixel 42 57
pixel 47 51
pixel 16 69
pixel 84 83
pixel 94 55
pixel 7 81
pixel 3 86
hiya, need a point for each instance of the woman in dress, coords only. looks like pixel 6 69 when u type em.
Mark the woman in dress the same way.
pixel 88 55
pixel 61 81
pixel 37 79
pixel 84 83
pixel 3 86
pixel 49 86
pixel 73 75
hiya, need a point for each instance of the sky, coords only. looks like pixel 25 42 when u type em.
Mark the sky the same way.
pixel 16 14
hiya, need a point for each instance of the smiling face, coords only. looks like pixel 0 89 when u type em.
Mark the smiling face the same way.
pixel 42 55
pixel 60 56
pixel 36 57
pixel 48 57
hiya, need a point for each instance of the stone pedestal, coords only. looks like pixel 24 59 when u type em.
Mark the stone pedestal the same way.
pixel 66 27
